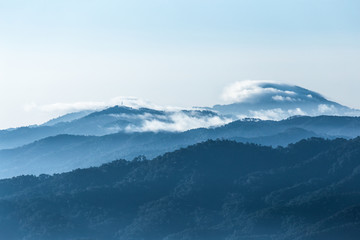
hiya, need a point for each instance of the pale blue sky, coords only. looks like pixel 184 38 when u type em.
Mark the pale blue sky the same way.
pixel 171 52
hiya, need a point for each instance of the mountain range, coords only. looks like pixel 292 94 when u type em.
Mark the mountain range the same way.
pixel 255 99
pixel 275 162
pixel 217 190
pixel 93 137
pixel 66 152
pixel 112 120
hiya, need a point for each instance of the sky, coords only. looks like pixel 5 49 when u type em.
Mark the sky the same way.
pixel 172 53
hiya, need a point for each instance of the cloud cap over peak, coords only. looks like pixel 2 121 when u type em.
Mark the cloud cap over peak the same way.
pixel 273 100
pixel 256 91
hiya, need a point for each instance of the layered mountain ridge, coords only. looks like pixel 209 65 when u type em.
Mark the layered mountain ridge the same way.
pixel 66 152
pixel 113 120
pixel 249 99
pixel 261 112
pixel 207 178
pixel 217 190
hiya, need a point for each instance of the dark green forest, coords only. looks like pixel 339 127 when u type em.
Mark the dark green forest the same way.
pixel 220 190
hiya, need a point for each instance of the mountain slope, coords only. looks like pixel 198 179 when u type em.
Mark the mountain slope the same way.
pixel 213 190
pixel 275 101
pixel 68 118
pixel 66 152
pixel 113 120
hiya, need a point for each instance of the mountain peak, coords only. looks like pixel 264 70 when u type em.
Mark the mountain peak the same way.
pixel 275 101
pixel 258 91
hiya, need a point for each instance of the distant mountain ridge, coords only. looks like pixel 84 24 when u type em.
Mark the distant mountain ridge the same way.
pixel 250 99
pixel 93 137
pixel 66 152
pixel 113 120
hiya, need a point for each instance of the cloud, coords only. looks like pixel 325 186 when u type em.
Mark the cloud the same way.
pixel 175 119
pixel 274 114
pixel 275 102
pixel 71 107
pixel 134 102
pixel 244 90
pixel 280 114
pixel 282 99
pixel 179 122
pixel 327 109
pixel 248 90
pixel 62 108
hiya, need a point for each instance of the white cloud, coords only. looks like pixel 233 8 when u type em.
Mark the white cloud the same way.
pixel 65 107
pixel 246 91
pixel 30 106
pixel 327 109
pixel 133 102
pixel 290 92
pixel 272 114
pixel 178 122
pixel 174 120
pixel 275 114
pixel 278 98
pixel 281 98
pixel 71 107
pixel 296 111
pixel 62 108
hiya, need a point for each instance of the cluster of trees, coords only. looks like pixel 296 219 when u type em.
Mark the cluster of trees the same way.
pixel 212 190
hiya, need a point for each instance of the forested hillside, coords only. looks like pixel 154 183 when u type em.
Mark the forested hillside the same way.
pixel 213 190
